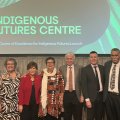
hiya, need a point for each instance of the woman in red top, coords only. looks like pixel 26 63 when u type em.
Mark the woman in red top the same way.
pixel 29 92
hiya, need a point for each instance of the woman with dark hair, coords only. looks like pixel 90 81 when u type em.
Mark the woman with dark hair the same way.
pixel 9 83
pixel 29 93
pixel 51 92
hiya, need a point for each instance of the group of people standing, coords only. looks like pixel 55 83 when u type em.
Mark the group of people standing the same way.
pixel 69 89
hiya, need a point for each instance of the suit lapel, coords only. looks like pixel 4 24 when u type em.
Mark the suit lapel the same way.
pixel 75 72
pixel 119 81
pixel 108 70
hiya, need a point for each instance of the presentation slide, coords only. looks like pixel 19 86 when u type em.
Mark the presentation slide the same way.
pixel 59 26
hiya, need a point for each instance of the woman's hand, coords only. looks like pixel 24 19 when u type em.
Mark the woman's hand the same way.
pixel 81 99
pixel 0 107
pixel 20 108
pixel 42 112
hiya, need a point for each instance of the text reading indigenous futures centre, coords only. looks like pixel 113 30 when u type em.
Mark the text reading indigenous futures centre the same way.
pixel 31 25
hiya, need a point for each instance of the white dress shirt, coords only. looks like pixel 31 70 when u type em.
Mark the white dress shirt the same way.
pixel 73 78
pixel 99 76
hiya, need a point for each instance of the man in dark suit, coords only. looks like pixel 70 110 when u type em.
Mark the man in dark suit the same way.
pixel 72 96
pixel 92 85
pixel 112 86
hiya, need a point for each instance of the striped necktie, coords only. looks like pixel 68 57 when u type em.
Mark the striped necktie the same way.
pixel 112 82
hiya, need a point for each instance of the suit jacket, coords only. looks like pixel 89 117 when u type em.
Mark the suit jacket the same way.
pixel 77 69
pixel 107 72
pixel 89 84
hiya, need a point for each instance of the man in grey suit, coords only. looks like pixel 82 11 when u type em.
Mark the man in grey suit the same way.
pixel 73 98
pixel 112 86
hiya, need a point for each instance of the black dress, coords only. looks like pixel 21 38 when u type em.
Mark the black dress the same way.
pixel 30 112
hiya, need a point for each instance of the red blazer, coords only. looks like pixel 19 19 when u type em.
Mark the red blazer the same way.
pixel 25 89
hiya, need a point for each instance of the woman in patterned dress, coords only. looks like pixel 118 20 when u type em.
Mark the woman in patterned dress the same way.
pixel 51 92
pixel 8 91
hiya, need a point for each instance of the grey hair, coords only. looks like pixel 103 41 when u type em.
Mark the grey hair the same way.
pixel 70 53
pixel 115 49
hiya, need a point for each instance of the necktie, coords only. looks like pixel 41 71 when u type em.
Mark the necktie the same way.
pixel 112 82
pixel 70 79
pixel 96 78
